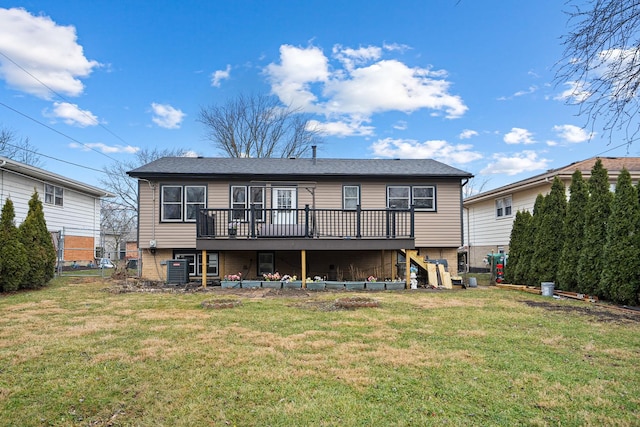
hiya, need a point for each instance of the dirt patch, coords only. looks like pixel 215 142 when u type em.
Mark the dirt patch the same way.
pixel 598 313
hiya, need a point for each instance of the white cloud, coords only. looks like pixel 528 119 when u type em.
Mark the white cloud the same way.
pixel 528 91
pixel 48 53
pixel 298 69
pixel 107 149
pixel 359 83
pixel 72 115
pixel 166 116
pixel 467 133
pixel 401 125
pixel 577 92
pixel 526 161
pixel 218 76
pixel 518 136
pixel 439 150
pixel 573 134
pixel 342 128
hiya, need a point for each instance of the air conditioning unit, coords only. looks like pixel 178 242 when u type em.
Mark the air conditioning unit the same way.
pixel 177 271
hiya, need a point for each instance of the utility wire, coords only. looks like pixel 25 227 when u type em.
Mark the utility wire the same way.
pixel 62 97
pixel 57 131
pixel 54 158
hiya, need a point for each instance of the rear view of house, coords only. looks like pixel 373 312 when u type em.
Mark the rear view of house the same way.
pixel 334 218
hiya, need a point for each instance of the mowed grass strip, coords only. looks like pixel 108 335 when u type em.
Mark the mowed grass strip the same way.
pixel 73 354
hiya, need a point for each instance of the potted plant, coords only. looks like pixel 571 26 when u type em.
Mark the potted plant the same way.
pixel 316 284
pixel 233 228
pixel 231 280
pixel 271 280
pixel 373 284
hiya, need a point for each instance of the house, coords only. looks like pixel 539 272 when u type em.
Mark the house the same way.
pixel 334 218
pixel 71 208
pixel 489 216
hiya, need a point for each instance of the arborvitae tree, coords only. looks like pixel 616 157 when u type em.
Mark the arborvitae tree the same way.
pixel 13 256
pixel 524 269
pixel 620 281
pixel 573 234
pixel 37 241
pixel 517 247
pixel 549 234
pixel 598 209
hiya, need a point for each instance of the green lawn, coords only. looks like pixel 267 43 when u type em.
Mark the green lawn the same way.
pixel 74 354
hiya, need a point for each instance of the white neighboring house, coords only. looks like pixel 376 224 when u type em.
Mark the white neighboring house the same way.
pixel 71 208
pixel 488 217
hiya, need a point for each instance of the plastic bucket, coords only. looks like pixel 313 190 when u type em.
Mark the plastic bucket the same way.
pixel 473 283
pixel 547 289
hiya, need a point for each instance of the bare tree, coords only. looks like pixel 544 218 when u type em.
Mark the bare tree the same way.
pixel 601 64
pixel 258 126
pixel 122 185
pixel 117 223
pixel 19 150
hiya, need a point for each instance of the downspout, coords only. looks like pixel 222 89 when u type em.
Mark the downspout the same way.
pixel 461 212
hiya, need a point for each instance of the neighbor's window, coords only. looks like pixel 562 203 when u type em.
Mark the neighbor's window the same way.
pixel 424 197
pixel 181 203
pixel 53 195
pixel 240 203
pixel 503 207
pixel 350 196
pixel 398 197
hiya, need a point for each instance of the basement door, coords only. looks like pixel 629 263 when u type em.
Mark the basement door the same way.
pixel 284 204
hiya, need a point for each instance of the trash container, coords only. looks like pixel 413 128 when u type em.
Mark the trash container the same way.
pixel 547 289
pixel 473 283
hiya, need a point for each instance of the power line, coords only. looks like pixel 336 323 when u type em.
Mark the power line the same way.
pixel 54 158
pixel 62 97
pixel 57 131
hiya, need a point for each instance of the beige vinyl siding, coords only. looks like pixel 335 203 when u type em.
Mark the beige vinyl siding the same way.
pixel 433 229
pixel 444 226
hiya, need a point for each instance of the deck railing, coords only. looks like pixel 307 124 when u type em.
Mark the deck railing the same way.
pixel 257 222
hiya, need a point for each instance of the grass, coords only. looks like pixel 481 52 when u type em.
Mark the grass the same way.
pixel 73 354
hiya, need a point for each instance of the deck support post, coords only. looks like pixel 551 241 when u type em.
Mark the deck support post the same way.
pixel 204 268
pixel 303 260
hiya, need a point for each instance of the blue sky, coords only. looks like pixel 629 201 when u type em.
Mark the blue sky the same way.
pixel 469 82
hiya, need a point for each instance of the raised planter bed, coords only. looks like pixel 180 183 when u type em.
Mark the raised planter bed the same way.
pixel 229 284
pixel 334 285
pixel 354 286
pixel 294 284
pixel 272 284
pixel 394 286
pixel 374 286
pixel 316 286
pixel 251 284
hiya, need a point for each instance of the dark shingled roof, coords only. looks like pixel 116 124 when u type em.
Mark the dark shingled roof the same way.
pixel 209 167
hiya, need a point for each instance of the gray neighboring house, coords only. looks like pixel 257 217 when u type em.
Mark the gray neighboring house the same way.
pixel 334 218
pixel 489 216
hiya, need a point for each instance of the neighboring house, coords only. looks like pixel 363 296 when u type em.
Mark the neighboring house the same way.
pixel 333 218
pixel 489 216
pixel 71 208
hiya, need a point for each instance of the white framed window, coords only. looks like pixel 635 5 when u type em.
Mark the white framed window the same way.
pixel 350 197
pixel 53 195
pixel 424 197
pixel 266 263
pixel 195 197
pixel 421 197
pixel 181 203
pixel 503 207
pixel 194 262
pixel 398 196
pixel 240 202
